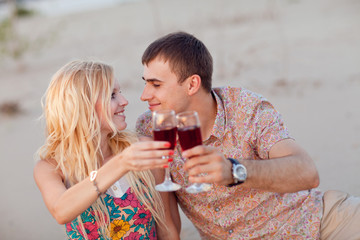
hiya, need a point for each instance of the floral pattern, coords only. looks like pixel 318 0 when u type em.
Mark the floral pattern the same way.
pixel 246 127
pixel 127 200
pixel 90 229
pixel 118 228
pixel 129 220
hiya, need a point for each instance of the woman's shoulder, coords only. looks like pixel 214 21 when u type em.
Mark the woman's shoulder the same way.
pixel 47 166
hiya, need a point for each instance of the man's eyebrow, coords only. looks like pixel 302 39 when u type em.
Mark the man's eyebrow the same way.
pixel 151 80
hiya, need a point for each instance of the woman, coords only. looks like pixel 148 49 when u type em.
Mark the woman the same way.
pixel 95 177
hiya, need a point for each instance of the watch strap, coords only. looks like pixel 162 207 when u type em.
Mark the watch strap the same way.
pixel 233 162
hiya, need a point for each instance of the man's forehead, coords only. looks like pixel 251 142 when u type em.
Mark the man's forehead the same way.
pixel 157 71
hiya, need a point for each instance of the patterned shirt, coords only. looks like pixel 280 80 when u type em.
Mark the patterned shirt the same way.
pixel 246 127
pixel 129 220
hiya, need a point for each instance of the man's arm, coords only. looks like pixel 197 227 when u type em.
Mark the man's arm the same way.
pixel 288 169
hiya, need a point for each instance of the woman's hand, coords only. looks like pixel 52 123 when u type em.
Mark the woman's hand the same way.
pixel 145 155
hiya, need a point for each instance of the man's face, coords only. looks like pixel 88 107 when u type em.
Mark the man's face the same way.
pixel 162 90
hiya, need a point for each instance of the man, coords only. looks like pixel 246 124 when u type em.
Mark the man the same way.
pixel 262 180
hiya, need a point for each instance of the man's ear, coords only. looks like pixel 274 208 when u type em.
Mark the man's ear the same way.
pixel 194 84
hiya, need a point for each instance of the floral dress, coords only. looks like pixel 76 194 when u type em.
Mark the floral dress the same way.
pixel 129 220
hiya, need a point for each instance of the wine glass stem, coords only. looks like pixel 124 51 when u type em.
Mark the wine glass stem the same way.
pixel 167 174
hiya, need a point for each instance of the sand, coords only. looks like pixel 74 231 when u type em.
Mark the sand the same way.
pixel 304 56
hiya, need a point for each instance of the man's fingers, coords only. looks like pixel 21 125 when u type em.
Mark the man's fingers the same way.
pixel 207 168
pixel 197 175
pixel 211 157
pixel 195 151
pixel 198 151
pixel 201 179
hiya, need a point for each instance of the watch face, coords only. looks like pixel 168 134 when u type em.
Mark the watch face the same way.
pixel 240 172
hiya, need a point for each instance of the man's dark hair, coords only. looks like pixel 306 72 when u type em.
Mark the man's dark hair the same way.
pixel 186 56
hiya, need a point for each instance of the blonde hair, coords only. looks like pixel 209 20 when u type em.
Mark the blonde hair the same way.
pixel 73 133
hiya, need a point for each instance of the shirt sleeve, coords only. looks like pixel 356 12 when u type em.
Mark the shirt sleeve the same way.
pixel 268 127
pixel 144 125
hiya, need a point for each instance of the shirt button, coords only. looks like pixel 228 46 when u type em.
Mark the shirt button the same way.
pixel 115 188
pixel 231 231
pixel 217 209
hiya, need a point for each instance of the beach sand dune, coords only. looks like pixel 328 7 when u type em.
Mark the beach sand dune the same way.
pixel 302 55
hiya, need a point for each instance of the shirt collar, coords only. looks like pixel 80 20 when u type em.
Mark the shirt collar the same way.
pixel 218 130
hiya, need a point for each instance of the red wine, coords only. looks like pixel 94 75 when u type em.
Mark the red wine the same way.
pixel 189 137
pixel 166 135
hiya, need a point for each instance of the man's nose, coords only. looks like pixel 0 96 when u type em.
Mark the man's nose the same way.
pixel 146 95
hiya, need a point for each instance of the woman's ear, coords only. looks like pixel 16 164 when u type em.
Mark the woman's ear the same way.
pixel 194 84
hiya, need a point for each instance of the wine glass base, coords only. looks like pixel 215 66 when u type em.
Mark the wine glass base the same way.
pixel 167 186
pixel 198 188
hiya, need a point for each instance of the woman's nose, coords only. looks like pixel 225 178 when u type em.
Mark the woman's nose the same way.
pixel 123 101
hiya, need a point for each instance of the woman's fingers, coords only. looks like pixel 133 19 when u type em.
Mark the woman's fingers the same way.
pixel 147 155
pixel 146 164
pixel 152 154
pixel 151 149
pixel 151 145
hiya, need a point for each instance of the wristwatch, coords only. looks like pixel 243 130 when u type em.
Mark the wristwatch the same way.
pixel 239 172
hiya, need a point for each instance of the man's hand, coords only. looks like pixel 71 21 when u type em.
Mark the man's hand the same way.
pixel 208 160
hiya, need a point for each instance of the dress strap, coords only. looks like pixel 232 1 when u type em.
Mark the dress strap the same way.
pixel 119 188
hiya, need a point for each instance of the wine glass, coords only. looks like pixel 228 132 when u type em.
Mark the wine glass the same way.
pixel 164 129
pixel 188 125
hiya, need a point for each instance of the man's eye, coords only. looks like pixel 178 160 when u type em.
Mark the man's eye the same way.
pixel 153 84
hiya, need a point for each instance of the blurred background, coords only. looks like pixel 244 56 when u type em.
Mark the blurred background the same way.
pixel 304 56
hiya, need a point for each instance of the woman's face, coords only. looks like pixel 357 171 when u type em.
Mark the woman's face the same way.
pixel 117 109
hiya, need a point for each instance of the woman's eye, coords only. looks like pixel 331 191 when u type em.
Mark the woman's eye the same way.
pixel 112 95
